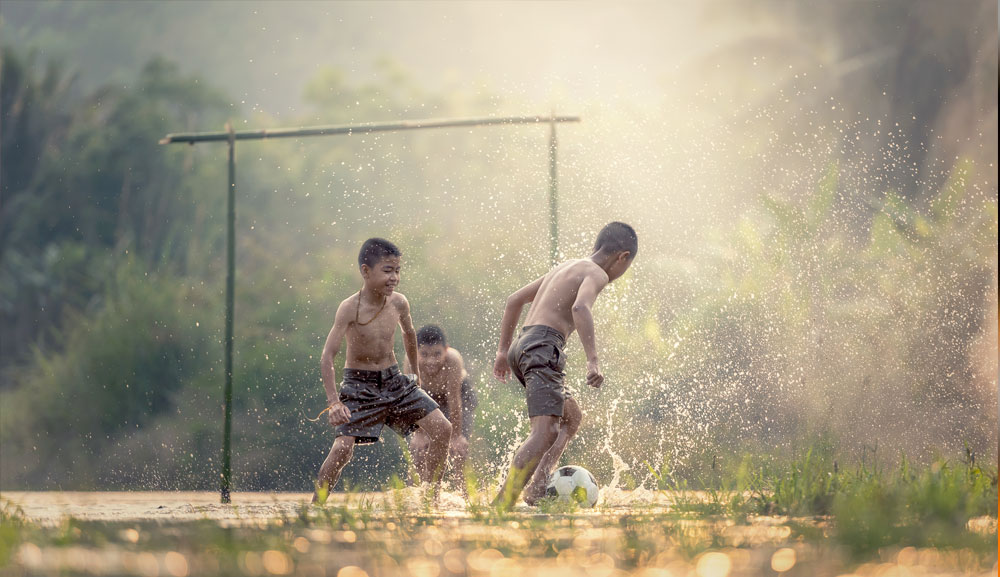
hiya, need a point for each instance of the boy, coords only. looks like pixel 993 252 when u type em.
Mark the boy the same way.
pixel 561 302
pixel 443 376
pixel 374 393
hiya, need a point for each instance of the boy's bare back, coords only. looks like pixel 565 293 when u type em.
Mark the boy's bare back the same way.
pixel 558 291
pixel 563 297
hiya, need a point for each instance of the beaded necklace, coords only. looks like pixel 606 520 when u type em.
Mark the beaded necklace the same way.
pixel 357 311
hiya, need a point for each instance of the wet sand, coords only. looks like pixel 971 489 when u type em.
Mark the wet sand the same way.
pixel 51 507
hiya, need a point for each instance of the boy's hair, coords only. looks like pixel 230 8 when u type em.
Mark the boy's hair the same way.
pixel 617 237
pixel 374 250
pixel 431 335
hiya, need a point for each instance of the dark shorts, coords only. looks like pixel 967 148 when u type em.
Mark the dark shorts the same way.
pixel 377 398
pixel 536 359
pixel 469 403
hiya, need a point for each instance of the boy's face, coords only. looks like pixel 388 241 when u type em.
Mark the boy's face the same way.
pixel 384 276
pixel 620 265
pixel 431 357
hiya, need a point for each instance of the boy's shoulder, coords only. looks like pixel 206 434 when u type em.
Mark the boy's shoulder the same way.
pixel 454 356
pixel 585 265
pixel 398 300
pixel 348 302
pixel 576 262
pixel 398 303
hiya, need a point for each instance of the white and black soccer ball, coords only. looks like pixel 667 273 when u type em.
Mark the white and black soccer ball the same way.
pixel 573 483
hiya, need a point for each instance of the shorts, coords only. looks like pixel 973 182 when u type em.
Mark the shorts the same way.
pixel 469 403
pixel 536 359
pixel 377 398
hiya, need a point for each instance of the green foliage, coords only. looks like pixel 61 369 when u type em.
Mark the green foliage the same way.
pixel 808 489
pixel 801 325
pixel 13 528
pixel 121 369
pixel 872 506
pixel 88 180
pixel 930 507
pixel 868 505
pixel 798 322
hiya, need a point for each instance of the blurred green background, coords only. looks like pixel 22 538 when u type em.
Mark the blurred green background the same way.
pixel 814 187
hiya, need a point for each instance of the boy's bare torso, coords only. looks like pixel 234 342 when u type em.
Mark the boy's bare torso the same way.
pixel 437 383
pixel 553 303
pixel 370 346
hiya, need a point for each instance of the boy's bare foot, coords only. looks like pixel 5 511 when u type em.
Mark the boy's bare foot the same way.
pixel 321 494
pixel 501 505
pixel 533 493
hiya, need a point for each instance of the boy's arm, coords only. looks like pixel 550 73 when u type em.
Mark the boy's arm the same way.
pixel 339 414
pixel 453 375
pixel 583 320
pixel 511 314
pixel 409 335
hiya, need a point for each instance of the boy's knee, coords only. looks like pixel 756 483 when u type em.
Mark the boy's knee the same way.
pixel 343 448
pixel 418 441
pixel 572 417
pixel 438 427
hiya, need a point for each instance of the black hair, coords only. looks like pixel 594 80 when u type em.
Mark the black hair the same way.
pixel 374 250
pixel 617 237
pixel 431 335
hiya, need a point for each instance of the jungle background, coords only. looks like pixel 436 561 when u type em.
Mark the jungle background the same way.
pixel 814 188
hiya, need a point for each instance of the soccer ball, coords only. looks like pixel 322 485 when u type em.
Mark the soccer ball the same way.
pixel 573 483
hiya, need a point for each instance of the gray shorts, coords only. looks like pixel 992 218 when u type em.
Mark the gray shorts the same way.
pixel 377 398
pixel 469 403
pixel 536 359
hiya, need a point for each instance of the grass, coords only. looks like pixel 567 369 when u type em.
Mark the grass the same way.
pixel 836 519
pixel 13 525
pixel 868 506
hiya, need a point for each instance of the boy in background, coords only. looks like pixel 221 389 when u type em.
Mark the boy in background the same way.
pixel 444 378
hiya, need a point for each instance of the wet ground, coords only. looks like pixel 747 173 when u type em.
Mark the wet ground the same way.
pixel 399 533
pixel 50 508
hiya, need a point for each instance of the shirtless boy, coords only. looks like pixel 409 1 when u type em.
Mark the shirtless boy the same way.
pixel 374 392
pixel 561 303
pixel 443 377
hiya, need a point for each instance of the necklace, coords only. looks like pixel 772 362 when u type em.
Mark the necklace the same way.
pixel 357 312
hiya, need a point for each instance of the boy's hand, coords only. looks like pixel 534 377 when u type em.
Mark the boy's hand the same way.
pixel 594 376
pixel 500 367
pixel 339 414
pixel 459 443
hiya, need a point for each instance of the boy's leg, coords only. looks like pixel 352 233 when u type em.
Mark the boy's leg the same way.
pixel 544 430
pixel 340 454
pixel 419 443
pixel 438 430
pixel 569 424
pixel 456 465
pixel 457 456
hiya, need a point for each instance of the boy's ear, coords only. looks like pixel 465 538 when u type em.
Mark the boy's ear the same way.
pixel 365 270
pixel 625 255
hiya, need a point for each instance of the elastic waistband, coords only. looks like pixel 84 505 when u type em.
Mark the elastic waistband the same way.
pixel 371 376
pixel 544 330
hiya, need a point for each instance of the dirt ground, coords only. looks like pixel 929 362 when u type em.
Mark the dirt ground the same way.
pixel 46 508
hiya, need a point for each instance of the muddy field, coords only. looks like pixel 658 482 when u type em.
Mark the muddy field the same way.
pixel 399 533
